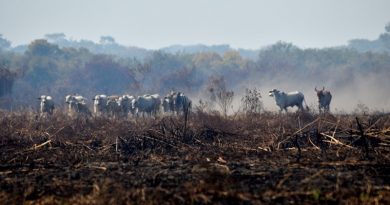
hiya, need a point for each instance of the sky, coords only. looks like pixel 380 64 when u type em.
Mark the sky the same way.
pixel 154 24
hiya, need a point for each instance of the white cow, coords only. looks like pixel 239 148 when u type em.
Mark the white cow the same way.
pixel 149 104
pixel 177 102
pixel 112 106
pixel 125 103
pixel 291 99
pixel 182 103
pixel 166 104
pixel 324 98
pixel 77 104
pixel 46 105
pixel 100 104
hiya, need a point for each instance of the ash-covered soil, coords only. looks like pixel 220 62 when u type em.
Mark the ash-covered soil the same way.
pixel 297 158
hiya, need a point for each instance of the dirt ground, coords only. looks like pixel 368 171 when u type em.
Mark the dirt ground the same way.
pixel 296 158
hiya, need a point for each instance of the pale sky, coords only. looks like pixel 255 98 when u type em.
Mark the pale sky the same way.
pixel 159 23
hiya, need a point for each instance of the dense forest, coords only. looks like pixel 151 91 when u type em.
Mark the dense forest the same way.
pixel 356 74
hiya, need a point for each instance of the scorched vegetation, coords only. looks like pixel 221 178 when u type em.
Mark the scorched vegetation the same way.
pixel 250 158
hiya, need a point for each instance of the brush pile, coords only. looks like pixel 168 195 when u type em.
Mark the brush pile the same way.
pixel 266 158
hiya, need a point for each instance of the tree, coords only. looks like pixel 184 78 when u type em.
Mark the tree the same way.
pixel 219 93
pixel 107 40
pixel 41 47
pixel 104 75
pixel 232 56
pixel 55 37
pixel 206 60
pixel 7 79
pixel 4 43
pixel 252 103
pixel 187 79
pixel 224 100
pixel 387 27
pixel 40 68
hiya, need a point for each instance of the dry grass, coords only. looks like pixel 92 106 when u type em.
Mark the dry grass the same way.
pixel 297 158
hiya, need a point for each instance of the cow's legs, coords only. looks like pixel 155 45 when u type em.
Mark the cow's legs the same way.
pixel 300 107
pixel 327 108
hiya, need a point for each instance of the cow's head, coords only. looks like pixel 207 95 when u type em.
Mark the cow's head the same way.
pixel 98 99
pixel 122 100
pixel 273 92
pixel 44 98
pixel 68 98
pixel 165 103
pixel 135 102
pixel 320 93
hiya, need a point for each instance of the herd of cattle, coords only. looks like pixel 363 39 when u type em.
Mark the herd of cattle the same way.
pixel 121 106
pixel 174 102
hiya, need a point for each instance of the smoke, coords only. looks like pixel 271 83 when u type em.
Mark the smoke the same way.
pixel 370 90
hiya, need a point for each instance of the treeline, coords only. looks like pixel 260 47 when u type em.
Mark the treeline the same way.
pixel 382 44
pixel 47 68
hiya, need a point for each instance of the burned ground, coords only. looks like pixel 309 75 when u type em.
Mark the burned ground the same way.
pixel 259 159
